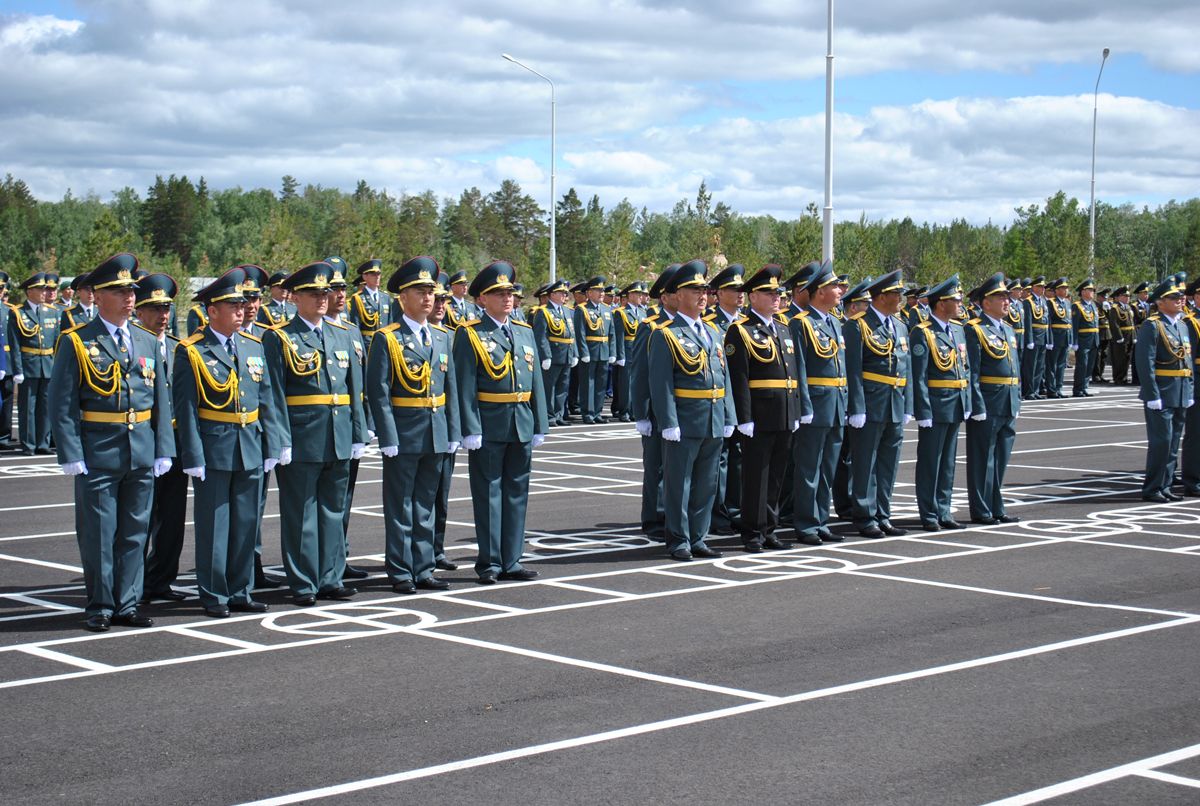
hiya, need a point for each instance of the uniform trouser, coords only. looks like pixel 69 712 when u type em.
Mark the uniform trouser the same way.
pixel 262 512
pixel 936 449
pixel 1100 361
pixel 763 457
pixel 226 518
pixel 1120 351
pixel 788 485
pixel 573 386
pixel 350 482
pixel 1190 458
pixel 441 505
pixel 689 483
pixel 311 497
pixel 989 444
pixel 164 542
pixel 842 503
pixel 33 425
pixel 620 401
pixel 1164 431
pixel 727 503
pixel 556 380
pixel 112 513
pixel 1085 359
pixel 815 451
pixel 6 407
pixel 593 379
pixel 1033 370
pixel 410 489
pixel 1056 368
pixel 875 456
pixel 653 516
pixel 499 495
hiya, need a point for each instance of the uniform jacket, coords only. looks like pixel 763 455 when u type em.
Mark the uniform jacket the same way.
pixel 555 334
pixel 370 316
pixel 638 364
pixel 595 336
pixel 500 393
pixel 1016 320
pixel 304 365
pixel 93 379
pixel 31 338
pixel 625 324
pixel 1035 318
pixel 197 318
pixel 820 367
pixel 4 360
pixel 457 312
pixel 762 373
pixel 411 389
pixel 1165 361
pixel 1120 323
pixel 275 313
pixel 75 315
pixel 1059 312
pixel 941 372
pixel 166 356
pixel 993 355
pixel 1085 323
pixel 688 381
pixel 878 371
pixel 216 428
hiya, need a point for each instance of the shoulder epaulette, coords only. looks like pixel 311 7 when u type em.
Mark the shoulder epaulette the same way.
pixel 741 319
pixel 709 317
pixel 857 316
pixel 192 339
pixel 714 327
pixel 442 328
pixel 170 336
pixel 392 326
pixel 335 323
pixel 250 336
pixel 975 320
pixel 519 322
pixel 140 326
pixel 925 324
pixel 468 323
pixel 76 327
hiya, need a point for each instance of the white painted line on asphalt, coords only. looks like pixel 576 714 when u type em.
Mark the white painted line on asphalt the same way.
pixel 1169 778
pixel 1097 778
pixel 191 632
pixel 27 599
pixel 935 542
pixel 43 563
pixel 586 589
pixel 706 716
pixel 33 537
pixel 697 577
pixel 70 660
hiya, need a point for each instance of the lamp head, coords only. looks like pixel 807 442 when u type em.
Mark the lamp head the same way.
pixel 1105 53
pixel 511 59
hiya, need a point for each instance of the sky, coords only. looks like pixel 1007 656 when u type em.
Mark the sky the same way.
pixel 943 110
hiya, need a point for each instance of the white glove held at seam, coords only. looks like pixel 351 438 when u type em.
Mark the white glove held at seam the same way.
pixel 269 464
pixel 587 359
pixel 194 472
pixel 1154 405
pixel 473 442
pixel 357 450
pixel 907 419
pixel 728 432
pixel 391 451
pixel 161 465
pixel 545 364
pixel 74 469
pixel 671 434
pixel 452 447
pixel 612 359
pixel 746 428
pixel 857 420
pixel 924 423
pixel 644 427
pixel 805 420
pixel 538 439
pixel 574 361
pixel 285 456
pixel 980 417
pixel 18 380
pixel 621 363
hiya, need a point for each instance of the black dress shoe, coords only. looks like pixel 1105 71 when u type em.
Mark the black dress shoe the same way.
pixel 1172 496
pixel 354 573
pixel 706 552
pixel 433 584
pixel 950 523
pixel 681 554
pixel 723 530
pixel 1156 498
pixel 892 531
pixel 404 586
pixel 931 526
pixel 132 619
pixel 486 578
pixel 97 624
pixel 808 540
pixel 340 592
pixel 167 595
pixel 1192 492
pixel 264 582
pixel 520 575
pixel 216 611
pixel 249 607
pixel 773 543
pixel 1009 519
pixel 305 600
pixel 445 565
pixel 985 521
pixel 752 548
pixel 829 537
pixel 871 532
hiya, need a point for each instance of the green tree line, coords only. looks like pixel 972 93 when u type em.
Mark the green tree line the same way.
pixel 187 229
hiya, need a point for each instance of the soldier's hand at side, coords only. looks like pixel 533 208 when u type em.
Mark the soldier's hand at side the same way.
pixel 1030 346
pixel 357 450
pixel 644 427
pixel 621 363
pixel 907 419
pixel 198 472
pixel 538 439
pixel 18 380
pixel 545 364
pixel 1154 405
pixel 587 359
pixel 473 442
pixel 574 361
pixel 612 359
pixel 390 451
pixel 370 435
pixel 1049 346
pixel 857 420
pixel 805 420
pixel 671 434
pixel 1074 347
pixel 3 373
pixel 285 456
pixel 74 469
pixel 728 431
pixel 980 417
pixel 924 423
pixel 746 428
pixel 452 447
pixel 1191 402
pixel 161 466
pixel 268 464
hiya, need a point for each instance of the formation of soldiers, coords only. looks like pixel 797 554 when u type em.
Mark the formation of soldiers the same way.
pixel 762 403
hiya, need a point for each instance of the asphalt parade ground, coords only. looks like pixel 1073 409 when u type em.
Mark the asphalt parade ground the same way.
pixel 1053 660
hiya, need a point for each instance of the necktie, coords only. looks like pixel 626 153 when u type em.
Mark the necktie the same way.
pixel 119 338
pixel 230 345
pixel 700 334
pixel 507 333
pixel 162 347
pixel 425 336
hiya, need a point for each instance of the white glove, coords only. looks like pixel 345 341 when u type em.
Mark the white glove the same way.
pixel 612 359
pixel 1074 347
pixel 18 380
pixel 357 450
pixel 980 417
pixel 390 451
pixel 644 427
pixel 194 472
pixel 620 363
pixel 924 423
pixel 268 464
pixel 538 439
pixel 1030 346
pixel 370 435
pixel 452 447
pixel 285 456
pixel 746 428
pixel 3 372
pixel 967 415
pixel 728 432
pixel 161 465
pixel 805 420
pixel 585 358
pixel 473 442
pixel 545 364
pixel 671 434
pixel 907 419
pixel 1191 402
pixel 857 420
pixel 1154 405
pixel 574 361
pixel 74 469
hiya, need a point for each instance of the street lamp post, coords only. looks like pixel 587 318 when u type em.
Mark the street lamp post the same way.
pixel 827 223
pixel 1092 215
pixel 553 197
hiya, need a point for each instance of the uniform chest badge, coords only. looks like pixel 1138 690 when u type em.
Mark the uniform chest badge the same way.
pixel 358 349
pixel 918 349
pixel 443 361
pixel 93 350
pixel 343 358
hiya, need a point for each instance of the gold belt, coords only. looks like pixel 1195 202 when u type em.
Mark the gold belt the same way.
pixel 596 338
pixel 1061 327
pixel 1089 330
pixel 1174 373
pixel 701 394
pixel 37 351
pixel 1126 328
pixel 318 400
pixel 560 340
pixel 996 380
pixel 242 418
pixel 783 383
pixel 504 397
pixel 1036 326
pixel 419 402
pixel 888 379
pixel 960 383
pixel 826 381
pixel 127 418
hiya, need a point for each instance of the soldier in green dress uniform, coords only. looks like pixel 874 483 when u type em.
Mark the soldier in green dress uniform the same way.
pixel 1189 463
pixel 627 317
pixel 1035 317
pixel 315 389
pixel 1058 345
pixel 441 508
pixel 726 517
pixel 855 300
pixel 6 383
pixel 370 307
pixel 278 309
pixel 554 329
pixel 1121 331
pixel 410 389
pixel 32 334
pixel 595 340
pixel 459 309
pixel 1085 337
pixel 941 402
pixel 502 416
pixel 112 428
pixel 83 309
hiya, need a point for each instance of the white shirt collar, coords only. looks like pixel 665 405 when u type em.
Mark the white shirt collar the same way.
pixel 768 322
pixel 687 319
pixel 730 316
pixel 497 321
pixel 999 325
pixel 882 317
pixel 935 318
pixel 414 325
pixel 311 325
pixel 112 329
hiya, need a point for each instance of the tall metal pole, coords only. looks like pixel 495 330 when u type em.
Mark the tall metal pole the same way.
pixel 1092 212
pixel 827 224
pixel 553 197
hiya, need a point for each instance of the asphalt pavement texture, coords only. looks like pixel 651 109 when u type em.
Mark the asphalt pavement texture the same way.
pixel 1051 660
